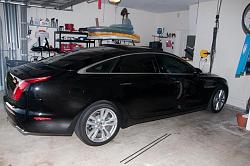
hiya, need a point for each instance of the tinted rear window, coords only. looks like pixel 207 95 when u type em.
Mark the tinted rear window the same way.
pixel 104 67
pixel 80 59
pixel 68 61
pixel 138 63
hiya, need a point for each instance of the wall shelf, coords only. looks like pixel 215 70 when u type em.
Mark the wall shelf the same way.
pixel 58 38
pixel 71 33
pixel 42 26
pixel 76 41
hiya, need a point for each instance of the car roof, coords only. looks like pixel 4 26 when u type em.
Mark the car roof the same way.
pixel 111 50
pixel 87 56
pixel 105 52
pixel 129 48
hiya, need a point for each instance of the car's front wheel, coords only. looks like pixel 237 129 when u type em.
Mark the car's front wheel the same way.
pixel 218 99
pixel 98 124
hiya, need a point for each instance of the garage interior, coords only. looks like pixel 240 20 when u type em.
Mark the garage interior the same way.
pixel 31 30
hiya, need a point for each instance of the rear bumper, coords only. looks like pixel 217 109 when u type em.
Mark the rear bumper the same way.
pixel 16 116
pixel 17 127
pixel 23 121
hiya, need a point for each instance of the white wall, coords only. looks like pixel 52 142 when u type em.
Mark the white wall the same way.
pixel 192 18
pixel 229 45
pixel 204 31
pixel 145 23
pixel 174 22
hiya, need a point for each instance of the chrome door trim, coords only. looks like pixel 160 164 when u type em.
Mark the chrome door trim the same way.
pixel 84 70
pixel 181 89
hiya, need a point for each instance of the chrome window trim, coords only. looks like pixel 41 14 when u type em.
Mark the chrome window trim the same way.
pixel 84 70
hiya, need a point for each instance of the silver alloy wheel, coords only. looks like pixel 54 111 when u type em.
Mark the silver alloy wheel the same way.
pixel 101 125
pixel 219 99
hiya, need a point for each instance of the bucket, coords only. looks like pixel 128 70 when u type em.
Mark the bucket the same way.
pixel 69 27
pixel 241 120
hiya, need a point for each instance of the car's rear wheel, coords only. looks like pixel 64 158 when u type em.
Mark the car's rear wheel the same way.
pixel 98 124
pixel 218 99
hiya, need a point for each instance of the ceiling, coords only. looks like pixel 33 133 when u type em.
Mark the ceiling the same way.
pixel 159 6
pixel 156 6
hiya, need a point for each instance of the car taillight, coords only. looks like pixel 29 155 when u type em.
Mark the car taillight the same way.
pixel 20 87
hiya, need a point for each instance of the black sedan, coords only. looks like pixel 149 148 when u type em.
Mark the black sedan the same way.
pixel 96 91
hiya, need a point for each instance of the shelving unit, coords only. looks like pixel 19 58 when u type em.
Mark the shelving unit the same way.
pixel 58 38
pixel 42 26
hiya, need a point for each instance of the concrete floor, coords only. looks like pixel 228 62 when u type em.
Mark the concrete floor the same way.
pixel 198 139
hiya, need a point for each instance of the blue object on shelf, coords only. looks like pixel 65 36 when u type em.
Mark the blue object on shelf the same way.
pixel 160 31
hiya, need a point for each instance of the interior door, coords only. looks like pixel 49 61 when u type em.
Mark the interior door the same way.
pixel 136 85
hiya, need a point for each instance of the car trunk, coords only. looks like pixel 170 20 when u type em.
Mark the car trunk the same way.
pixel 24 72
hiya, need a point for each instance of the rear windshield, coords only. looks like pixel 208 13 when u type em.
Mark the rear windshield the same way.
pixel 76 60
pixel 72 61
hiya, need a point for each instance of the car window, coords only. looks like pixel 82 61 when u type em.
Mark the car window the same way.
pixel 169 64
pixel 104 67
pixel 70 60
pixel 137 63
pixel 80 59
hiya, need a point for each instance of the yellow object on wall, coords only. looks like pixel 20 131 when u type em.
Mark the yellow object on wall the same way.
pixel 204 53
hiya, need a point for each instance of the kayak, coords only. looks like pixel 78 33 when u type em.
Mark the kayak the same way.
pixel 114 36
pixel 118 29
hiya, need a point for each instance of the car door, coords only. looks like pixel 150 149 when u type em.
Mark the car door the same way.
pixel 134 85
pixel 189 82
pixel 93 82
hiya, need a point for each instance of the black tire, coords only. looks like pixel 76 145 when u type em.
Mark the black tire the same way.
pixel 211 107
pixel 81 130
pixel 246 29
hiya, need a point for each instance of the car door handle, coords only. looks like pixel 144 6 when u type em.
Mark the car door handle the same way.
pixel 126 84
pixel 181 89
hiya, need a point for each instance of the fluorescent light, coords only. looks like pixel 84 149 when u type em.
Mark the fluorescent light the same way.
pixel 114 1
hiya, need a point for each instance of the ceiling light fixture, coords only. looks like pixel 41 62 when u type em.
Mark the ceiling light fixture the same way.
pixel 114 1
